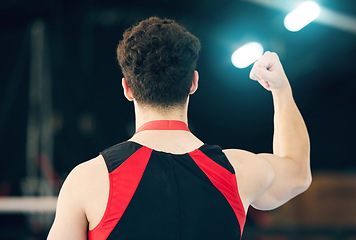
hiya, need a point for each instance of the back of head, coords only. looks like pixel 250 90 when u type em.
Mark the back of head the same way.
pixel 158 58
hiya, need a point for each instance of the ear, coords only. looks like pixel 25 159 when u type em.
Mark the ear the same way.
pixel 127 91
pixel 195 80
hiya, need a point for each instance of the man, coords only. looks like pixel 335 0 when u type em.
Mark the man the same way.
pixel 165 183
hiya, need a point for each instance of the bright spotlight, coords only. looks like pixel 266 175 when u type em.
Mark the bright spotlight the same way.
pixel 304 14
pixel 247 54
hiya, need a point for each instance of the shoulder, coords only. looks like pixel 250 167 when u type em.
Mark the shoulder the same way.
pixel 245 159
pixel 86 171
pixel 81 179
pixel 71 221
pixel 83 183
pixel 254 174
pixel 86 185
pixel 84 175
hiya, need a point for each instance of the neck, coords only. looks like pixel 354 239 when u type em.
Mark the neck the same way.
pixel 146 114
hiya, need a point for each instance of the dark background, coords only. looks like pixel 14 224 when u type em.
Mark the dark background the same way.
pixel 89 112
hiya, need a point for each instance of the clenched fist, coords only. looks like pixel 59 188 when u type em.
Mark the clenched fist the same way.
pixel 268 71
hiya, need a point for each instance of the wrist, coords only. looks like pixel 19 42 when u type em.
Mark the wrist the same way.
pixel 285 91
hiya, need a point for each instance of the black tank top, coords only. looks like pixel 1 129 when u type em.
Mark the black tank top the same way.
pixel 158 195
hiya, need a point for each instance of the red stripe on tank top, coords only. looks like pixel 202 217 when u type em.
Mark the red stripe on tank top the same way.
pixel 123 184
pixel 224 181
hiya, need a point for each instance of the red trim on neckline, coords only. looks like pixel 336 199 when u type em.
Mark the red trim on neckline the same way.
pixel 164 125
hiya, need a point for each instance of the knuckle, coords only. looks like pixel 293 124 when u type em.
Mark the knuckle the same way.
pixel 275 55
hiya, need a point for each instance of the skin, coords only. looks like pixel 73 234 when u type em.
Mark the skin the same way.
pixel 265 181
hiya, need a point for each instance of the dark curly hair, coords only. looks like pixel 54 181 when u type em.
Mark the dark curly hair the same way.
pixel 158 58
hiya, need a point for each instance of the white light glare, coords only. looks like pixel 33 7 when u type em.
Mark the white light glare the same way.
pixel 304 14
pixel 247 54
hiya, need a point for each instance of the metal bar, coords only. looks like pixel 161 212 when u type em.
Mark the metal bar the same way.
pixel 28 204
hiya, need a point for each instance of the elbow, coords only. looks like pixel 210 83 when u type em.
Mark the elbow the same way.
pixel 303 183
pixel 308 181
pixel 303 176
pixel 307 176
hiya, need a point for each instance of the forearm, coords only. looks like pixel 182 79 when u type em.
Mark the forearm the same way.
pixel 291 139
pixel 290 161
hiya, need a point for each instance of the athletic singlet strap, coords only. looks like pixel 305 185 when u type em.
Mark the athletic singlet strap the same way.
pixel 164 125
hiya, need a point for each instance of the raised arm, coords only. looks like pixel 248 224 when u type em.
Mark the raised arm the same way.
pixel 285 173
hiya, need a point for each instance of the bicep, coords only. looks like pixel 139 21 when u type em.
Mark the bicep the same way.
pixel 286 183
pixel 70 221
pixel 265 181
pixel 254 174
